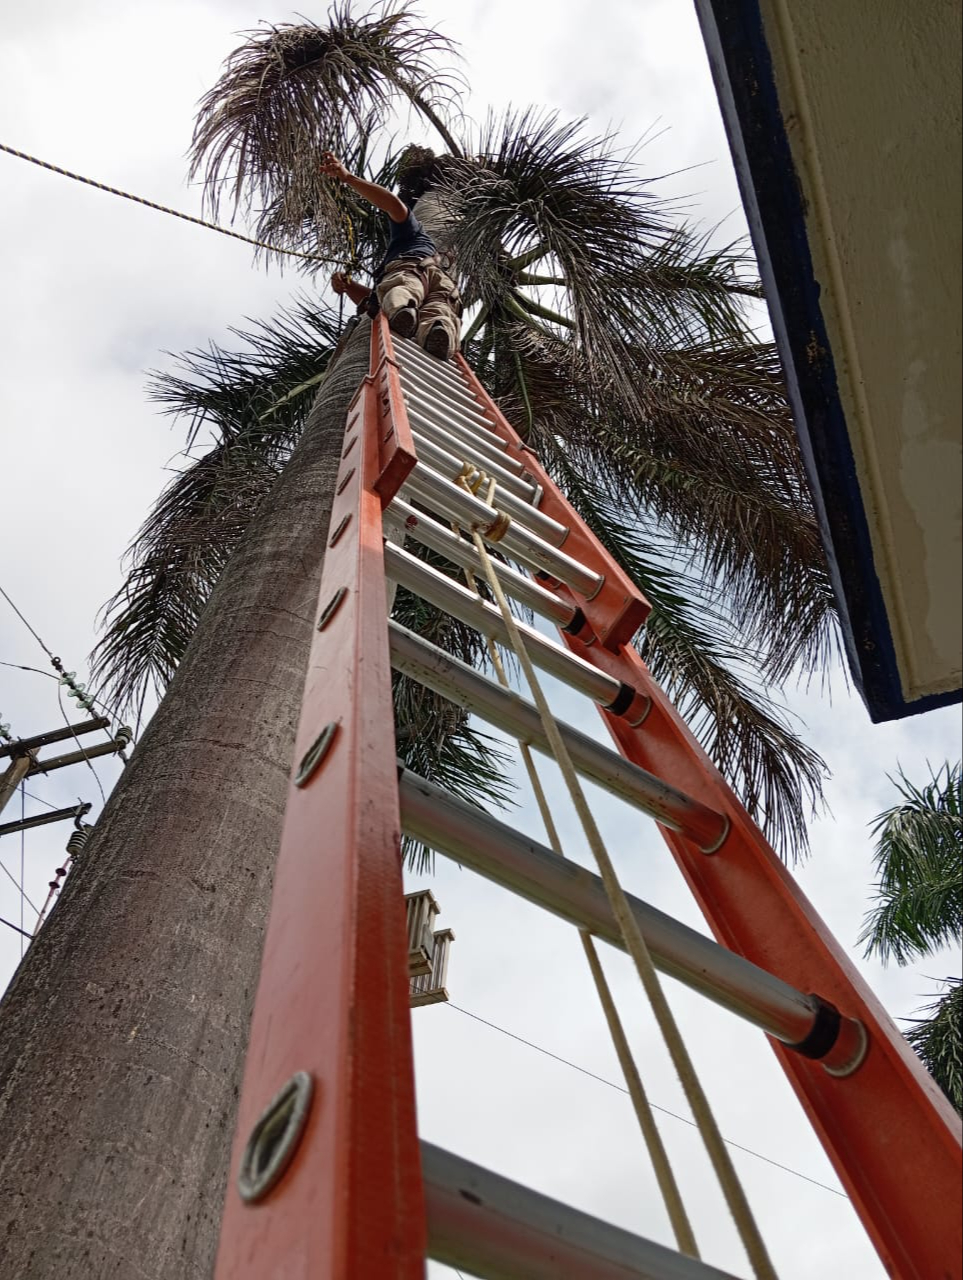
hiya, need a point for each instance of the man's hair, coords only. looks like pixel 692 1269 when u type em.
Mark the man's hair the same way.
pixel 419 169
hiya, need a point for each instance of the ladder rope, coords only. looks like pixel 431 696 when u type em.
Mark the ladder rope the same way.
pixel 665 1177
pixel 636 946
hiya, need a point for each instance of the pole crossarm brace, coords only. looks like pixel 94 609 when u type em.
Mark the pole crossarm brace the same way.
pixel 76 757
pixel 23 745
pixel 76 812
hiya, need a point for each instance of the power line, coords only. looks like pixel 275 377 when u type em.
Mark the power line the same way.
pixel 19 887
pixel 612 1085
pixel 161 208
pixel 16 928
pixel 3 593
pixel 64 677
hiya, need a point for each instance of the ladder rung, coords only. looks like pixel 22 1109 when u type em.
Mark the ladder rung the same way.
pixel 410 354
pixel 460 551
pixel 452 502
pixel 437 453
pixel 515 715
pixel 460 405
pixel 446 594
pixel 548 530
pixel 496 851
pixel 456 400
pixel 471 432
pixel 493 1227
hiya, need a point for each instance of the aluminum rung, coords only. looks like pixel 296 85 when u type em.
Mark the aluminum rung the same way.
pixel 496 851
pixel 454 503
pixel 548 530
pixel 475 433
pixel 410 354
pixel 448 595
pixel 438 537
pixel 485 1224
pixel 515 715
pixel 438 454
pixel 454 394
pixel 474 420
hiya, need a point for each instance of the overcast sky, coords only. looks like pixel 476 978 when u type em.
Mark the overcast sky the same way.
pixel 94 290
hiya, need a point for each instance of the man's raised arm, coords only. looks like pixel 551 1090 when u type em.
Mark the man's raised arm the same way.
pixel 380 197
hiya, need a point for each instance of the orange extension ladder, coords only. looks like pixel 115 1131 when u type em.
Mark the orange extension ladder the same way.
pixel 329 1180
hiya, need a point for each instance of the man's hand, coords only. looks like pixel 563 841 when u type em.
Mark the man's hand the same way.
pixel 332 167
pixel 339 283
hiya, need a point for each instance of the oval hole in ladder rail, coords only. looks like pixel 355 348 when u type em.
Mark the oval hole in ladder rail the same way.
pixel 275 1137
pixel 315 754
pixel 345 521
pixel 332 607
pixel 346 480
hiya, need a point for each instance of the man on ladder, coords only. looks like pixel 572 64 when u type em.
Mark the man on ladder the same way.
pixel 412 287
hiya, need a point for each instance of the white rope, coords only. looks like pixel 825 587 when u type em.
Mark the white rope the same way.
pixel 636 946
pixel 671 1195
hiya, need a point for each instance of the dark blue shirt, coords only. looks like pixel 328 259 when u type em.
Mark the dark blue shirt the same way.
pixel 409 239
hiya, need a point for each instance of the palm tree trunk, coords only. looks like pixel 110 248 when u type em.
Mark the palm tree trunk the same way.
pixel 123 1033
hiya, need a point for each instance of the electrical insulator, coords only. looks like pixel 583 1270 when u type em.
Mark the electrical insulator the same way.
pixel 78 839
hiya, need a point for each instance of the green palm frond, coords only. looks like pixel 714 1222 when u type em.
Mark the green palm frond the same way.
pixel 714 462
pixel 291 91
pixel 177 558
pixel 699 658
pixel 919 860
pixel 253 402
pixel 938 1039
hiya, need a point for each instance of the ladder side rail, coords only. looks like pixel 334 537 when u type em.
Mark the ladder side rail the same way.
pixel 618 609
pixel 396 448
pixel 891 1135
pixel 332 999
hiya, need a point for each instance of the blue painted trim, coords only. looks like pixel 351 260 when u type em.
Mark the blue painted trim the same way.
pixel 742 69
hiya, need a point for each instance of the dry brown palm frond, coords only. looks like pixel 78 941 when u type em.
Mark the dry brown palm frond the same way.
pixel 291 91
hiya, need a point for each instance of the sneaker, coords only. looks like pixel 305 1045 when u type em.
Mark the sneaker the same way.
pixel 438 343
pixel 404 322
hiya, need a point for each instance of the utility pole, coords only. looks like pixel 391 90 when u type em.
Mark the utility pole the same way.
pixel 25 762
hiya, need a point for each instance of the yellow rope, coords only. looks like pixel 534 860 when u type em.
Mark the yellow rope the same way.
pixel 672 1197
pixel 636 946
pixel 175 213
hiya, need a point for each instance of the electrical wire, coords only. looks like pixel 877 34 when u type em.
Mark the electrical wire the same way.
pixel 665 1111
pixel 58 666
pixel 14 927
pixel 161 208
pixel 19 887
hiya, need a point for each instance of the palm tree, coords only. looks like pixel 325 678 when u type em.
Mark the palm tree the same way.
pixel 613 337
pixel 618 339
pixel 919 908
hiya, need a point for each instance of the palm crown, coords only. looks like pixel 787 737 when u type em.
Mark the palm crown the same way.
pixel 615 338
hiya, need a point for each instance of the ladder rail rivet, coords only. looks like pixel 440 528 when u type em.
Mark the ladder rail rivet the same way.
pixel 315 754
pixel 331 608
pixel 275 1137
